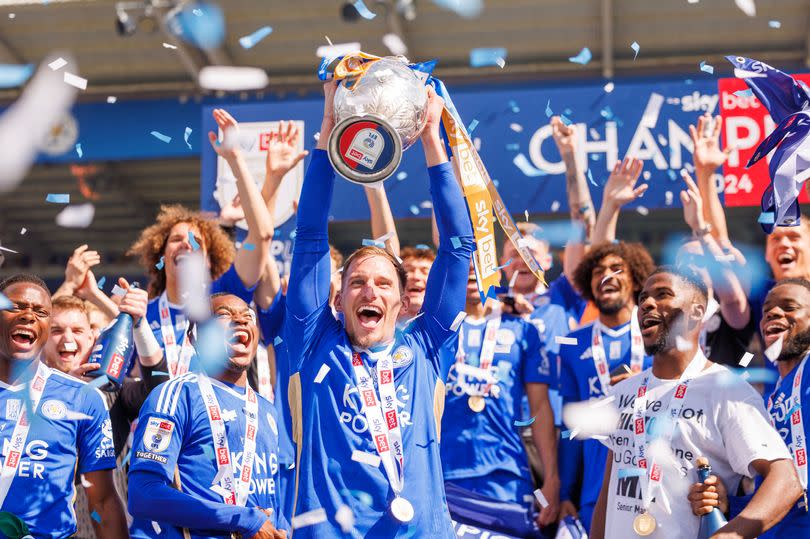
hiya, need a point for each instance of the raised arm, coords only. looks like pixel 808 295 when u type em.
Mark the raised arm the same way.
pixel 310 272
pixel 382 220
pixel 248 261
pixel 620 189
pixel 579 195
pixel 707 157
pixel 447 281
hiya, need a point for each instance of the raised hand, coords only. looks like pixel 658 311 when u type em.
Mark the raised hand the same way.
pixel 435 106
pixel 328 122
pixel 232 212
pixel 282 150
pixel 620 188
pixel 228 149
pixel 134 301
pixel 706 139
pixel 564 136
pixel 692 204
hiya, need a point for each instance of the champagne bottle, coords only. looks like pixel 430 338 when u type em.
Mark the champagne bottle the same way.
pixel 709 524
pixel 114 351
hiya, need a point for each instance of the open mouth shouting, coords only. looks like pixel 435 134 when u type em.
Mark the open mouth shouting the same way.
pixel 369 316
pixel 23 340
pixel 649 324
pixel 240 341
pixel 786 260
pixel 68 352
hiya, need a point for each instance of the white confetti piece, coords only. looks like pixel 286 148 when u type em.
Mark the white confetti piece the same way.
pixel 85 482
pixel 75 81
pixel 366 458
pixel 232 78
pixel 169 46
pixel 70 346
pixel 746 359
pixel 76 216
pixel 774 350
pixel 156 527
pixel 555 206
pixel 565 340
pixel 652 110
pixel 70 415
pixel 12 15
pixel 589 420
pixel 540 498
pixel 682 344
pixel 775 24
pixel 668 198
pixel 8 250
pixel 118 291
pixel 395 44
pixel 609 87
pixel 458 320
pixel 111 99
pixel 310 518
pixel 322 372
pixel 345 518
pixel 747 6
pixel 341 49
pixel 23 230
pixel 608 276
pixel 643 210
pixel 58 64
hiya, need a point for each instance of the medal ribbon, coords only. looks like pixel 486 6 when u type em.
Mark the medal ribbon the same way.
pixel 798 447
pixel 263 368
pixel 20 433
pixel 381 416
pixel 232 493
pixel 654 473
pixel 178 358
pixel 600 359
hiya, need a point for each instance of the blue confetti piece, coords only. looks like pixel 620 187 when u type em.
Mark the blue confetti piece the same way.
pixel 5 303
pixel 795 408
pixel 484 57
pixel 672 175
pixel 514 106
pixel 362 497
pixel 422 246
pixel 606 113
pixel 766 218
pixel 456 242
pixel 278 340
pixel 363 10
pixel 160 264
pixel 401 175
pixel 590 178
pixel 248 246
pixel 583 57
pixel 560 233
pixel 95 516
pixel 706 68
pixel 194 245
pixel 636 47
pixel 160 373
pixel 208 451
pixel 12 75
pixel 631 472
pixel 79 149
pixel 186 135
pixel 568 111
pixel 373 243
pixel 564 119
pixel 101 283
pixel 249 41
pixel 414 210
pixel 566 434
pixel 526 423
pixel 775 24
pixel 161 137
pixel 758 375
pixel 744 93
pixel 58 198
pixel 513 147
pixel 472 126
pixel 505 265
pixel 549 112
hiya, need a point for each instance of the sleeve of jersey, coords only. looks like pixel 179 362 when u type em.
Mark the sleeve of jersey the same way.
pixel 97 451
pixel 564 295
pixel 537 368
pixel 747 433
pixel 445 290
pixel 271 320
pixel 151 497
pixel 230 283
pixel 570 463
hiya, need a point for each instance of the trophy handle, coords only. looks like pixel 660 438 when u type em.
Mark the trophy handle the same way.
pixel 365 149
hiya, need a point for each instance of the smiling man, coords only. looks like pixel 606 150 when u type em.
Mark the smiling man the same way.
pixel 67 432
pixel 417 262
pixel 366 400
pixel 604 352
pixel 204 462
pixel 682 408
pixel 71 337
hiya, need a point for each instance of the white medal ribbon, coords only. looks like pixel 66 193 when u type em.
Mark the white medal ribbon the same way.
pixel 263 370
pixel 600 359
pixel 484 358
pixel 20 434
pixel 233 493
pixel 653 473
pixel 798 447
pixel 178 357
pixel 382 417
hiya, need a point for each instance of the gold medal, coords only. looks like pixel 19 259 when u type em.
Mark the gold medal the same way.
pixel 644 524
pixel 476 403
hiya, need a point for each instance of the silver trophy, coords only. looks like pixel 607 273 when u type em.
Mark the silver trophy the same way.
pixel 379 116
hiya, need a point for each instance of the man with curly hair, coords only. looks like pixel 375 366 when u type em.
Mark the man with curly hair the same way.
pixel 611 276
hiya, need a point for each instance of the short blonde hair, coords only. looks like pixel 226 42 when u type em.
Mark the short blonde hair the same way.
pixel 369 251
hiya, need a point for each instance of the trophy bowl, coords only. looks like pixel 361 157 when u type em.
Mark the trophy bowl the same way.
pixel 377 118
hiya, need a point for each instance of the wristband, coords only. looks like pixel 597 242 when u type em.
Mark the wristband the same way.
pixel 145 342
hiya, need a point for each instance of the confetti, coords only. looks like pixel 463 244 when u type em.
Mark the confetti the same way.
pixel 341 49
pixel 589 420
pixel 395 44
pixel 526 423
pixel 484 57
pixel 636 47
pixel 555 205
pixel 118 291
pixel 322 372
pixel 111 99
pixel 458 320
pixel 248 246
pixel 249 41
pixel 277 340
pixel 522 162
pixel 549 112
pixel 631 472
pixel 526 215
pixel 706 68
pixel 155 525
pixel 401 175
pixel 75 81
pixel 512 147
pixel 5 303
pixel 161 137
pixel 79 149
pixel 58 64
pixel 514 106
pixel 643 210
pixel 12 15
pixel 95 516
pixel 160 264
pixel 472 126
pixel 583 57
pixel 345 518
pixel 23 230
pixel 58 198
pixel 14 75
pixel 747 6
pixel 169 46
pixel 232 78
pixel 186 134
pixel 366 458
pixel 310 518
pixel 414 210
pixel 194 245
pixel 682 344
pixel 746 359
pixel 744 93
pixel 101 282
pixel 564 119
pixel 363 11
pixel 590 178
pixel 8 250
pixel 456 242
pixel 517 128
pixel 775 24
pixel 668 198
pixel 565 340
pixel 609 87
pixel 608 276
pixel 76 216
pixel 766 218
pixel 774 350
pixel 541 499
pixel 373 243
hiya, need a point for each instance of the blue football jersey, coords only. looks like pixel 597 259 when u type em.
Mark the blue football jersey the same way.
pixel 579 382
pixel 474 445
pixel 70 433
pixel 797 522
pixel 174 433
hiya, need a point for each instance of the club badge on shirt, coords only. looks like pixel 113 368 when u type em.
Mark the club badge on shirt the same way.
pixel 156 439
pixel 402 356
pixel 54 409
